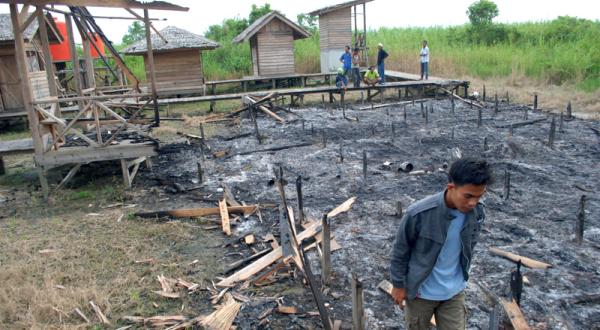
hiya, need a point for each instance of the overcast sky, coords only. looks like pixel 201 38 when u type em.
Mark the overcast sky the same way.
pixel 388 13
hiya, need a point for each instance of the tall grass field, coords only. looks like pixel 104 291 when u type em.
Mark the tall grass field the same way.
pixel 564 50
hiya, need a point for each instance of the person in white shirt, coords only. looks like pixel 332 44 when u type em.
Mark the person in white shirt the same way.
pixel 425 61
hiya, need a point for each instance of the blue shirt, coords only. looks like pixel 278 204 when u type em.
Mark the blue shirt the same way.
pixel 446 279
pixel 347 59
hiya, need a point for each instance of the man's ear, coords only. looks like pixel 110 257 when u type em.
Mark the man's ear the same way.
pixel 451 186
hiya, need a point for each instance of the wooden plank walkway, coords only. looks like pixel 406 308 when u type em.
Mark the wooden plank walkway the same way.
pixel 13 147
pixel 407 76
pixel 316 90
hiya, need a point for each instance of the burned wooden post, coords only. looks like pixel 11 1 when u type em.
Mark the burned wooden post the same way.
pixel 365 167
pixel 299 198
pixel 452 103
pixel 387 111
pixel 507 98
pixel 526 114
pixel 422 111
pixel 496 104
pixel 506 184
pixel 324 136
pixel 560 123
pixel 315 290
pixel 393 130
pixel 2 168
pixel 452 136
pixel 326 248
pixel 569 111
pixel 303 121
pixel 362 97
pixel 372 130
pixel 312 129
pixel 200 172
pixel 323 99
pixel 341 151
pixel 255 123
pixel 202 133
pixel 358 312
pixel 404 113
pixel 579 226
pixel 511 130
pixel 535 101
pixel 552 132
pixel 478 117
pixel 485 144
pixel 431 108
pixel 426 117
pixel 399 208
pixel 342 96
pixel 483 93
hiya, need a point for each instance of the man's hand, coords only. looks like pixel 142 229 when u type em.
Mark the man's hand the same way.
pixel 399 295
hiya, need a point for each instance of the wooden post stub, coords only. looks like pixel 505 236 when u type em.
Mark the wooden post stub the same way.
pixel 404 112
pixel 579 226
pixel 507 98
pixel 535 101
pixel 483 93
pixel 485 144
pixel 299 198
pixel 479 117
pixel 552 132
pixel 358 312
pixel 341 151
pixel 506 184
pixel 569 111
pixel 200 172
pixel 560 123
pixel 365 166
pixel 399 208
pixel 496 104
pixel 324 138
pixel 326 248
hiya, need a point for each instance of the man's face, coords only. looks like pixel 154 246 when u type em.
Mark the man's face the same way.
pixel 464 198
pixel 347 50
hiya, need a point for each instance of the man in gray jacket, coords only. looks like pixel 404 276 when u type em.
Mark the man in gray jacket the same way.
pixel 432 253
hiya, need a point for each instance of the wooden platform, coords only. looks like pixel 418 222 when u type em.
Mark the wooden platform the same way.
pixel 15 147
pixel 431 83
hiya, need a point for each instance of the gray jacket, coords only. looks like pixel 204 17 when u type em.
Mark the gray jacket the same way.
pixel 420 238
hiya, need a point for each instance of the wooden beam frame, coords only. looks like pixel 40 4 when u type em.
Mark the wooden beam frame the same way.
pixel 154 5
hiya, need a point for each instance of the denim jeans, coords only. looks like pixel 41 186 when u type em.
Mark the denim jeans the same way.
pixel 425 70
pixel 356 77
pixel 381 71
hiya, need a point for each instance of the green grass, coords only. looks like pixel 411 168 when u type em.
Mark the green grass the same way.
pixel 564 50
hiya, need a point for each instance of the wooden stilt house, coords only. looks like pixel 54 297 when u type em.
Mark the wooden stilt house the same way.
pixel 336 32
pixel 272 44
pixel 11 99
pixel 177 57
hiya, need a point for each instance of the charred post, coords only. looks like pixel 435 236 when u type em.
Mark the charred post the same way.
pixel 358 312
pixel 569 111
pixel 479 117
pixel 535 101
pixel 495 104
pixel 200 172
pixel 324 137
pixel 485 144
pixel 552 132
pixel 560 123
pixel 399 208
pixel 507 98
pixel 341 151
pixel 326 248
pixel 506 184
pixel 483 93
pixel 299 198
pixel 579 226
pixel 404 113
pixel 365 167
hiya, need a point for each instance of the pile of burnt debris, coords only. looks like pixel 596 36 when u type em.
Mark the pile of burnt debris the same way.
pixel 271 184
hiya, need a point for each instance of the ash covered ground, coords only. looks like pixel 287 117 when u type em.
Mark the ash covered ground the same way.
pixel 536 221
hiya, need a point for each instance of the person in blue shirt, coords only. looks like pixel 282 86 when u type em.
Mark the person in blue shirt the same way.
pixel 346 60
pixel 340 80
pixel 433 250
pixel 381 56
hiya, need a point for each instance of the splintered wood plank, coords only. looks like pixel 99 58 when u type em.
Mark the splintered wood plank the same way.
pixel 99 313
pixel 225 217
pixel 255 267
pixel 344 207
pixel 524 260
pixel 515 315
pixel 197 212
pixel 223 317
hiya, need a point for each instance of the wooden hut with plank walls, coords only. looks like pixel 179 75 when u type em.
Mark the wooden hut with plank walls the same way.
pixel 177 57
pixel 11 99
pixel 335 32
pixel 272 44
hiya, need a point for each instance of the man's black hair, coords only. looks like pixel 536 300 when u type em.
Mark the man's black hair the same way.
pixel 471 171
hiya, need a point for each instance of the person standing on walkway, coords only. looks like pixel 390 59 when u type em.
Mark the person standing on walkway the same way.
pixel 433 250
pixel 381 56
pixel 425 61
pixel 356 67
pixel 346 60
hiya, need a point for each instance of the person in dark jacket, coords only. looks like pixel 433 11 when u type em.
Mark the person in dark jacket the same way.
pixel 381 56
pixel 433 249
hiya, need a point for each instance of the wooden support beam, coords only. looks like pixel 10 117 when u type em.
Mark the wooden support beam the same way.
pixel 198 212
pixel 326 248
pixel 150 59
pixel 69 176
pixel 580 224
pixel 48 66
pixel 524 260
pixel 515 315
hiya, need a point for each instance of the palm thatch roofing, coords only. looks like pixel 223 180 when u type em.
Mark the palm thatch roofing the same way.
pixel 7 35
pixel 298 31
pixel 177 39
pixel 328 9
